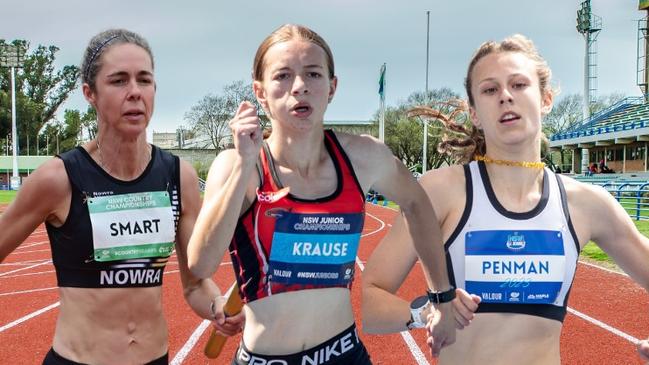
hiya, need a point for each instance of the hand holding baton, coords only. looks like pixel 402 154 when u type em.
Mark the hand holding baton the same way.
pixel 232 307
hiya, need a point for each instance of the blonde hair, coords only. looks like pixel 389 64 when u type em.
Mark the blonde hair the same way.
pixel 286 33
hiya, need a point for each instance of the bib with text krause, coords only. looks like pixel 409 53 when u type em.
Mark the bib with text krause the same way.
pixel 512 267
pixel 131 226
pixel 316 249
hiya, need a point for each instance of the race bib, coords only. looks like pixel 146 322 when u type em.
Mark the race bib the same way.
pixel 131 226
pixel 515 266
pixel 317 249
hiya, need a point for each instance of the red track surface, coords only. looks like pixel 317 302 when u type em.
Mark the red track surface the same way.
pixel 607 297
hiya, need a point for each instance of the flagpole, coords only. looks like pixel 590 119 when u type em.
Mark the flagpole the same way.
pixel 424 161
pixel 382 103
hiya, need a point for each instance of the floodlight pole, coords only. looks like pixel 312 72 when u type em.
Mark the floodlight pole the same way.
pixel 424 161
pixel 14 134
pixel 10 57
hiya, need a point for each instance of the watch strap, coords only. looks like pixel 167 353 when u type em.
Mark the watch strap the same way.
pixel 437 297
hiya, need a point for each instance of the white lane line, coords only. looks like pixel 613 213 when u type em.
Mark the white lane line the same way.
pixel 414 348
pixel 19 252
pixel 27 245
pixel 603 268
pixel 27 291
pixel 189 345
pixel 25 268
pixel 376 230
pixel 22 263
pixel 28 274
pixel 605 326
pixel 407 337
pixel 29 316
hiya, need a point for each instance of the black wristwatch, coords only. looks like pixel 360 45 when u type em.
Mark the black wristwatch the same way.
pixel 437 297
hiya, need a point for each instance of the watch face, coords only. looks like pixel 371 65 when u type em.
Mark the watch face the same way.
pixel 419 302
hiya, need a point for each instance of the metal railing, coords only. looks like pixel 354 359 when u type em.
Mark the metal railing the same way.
pixel 632 195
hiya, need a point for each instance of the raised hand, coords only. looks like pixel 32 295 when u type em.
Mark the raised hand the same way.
pixel 246 131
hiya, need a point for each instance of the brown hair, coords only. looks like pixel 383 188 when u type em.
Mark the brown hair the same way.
pixel 286 33
pixel 100 43
pixel 462 140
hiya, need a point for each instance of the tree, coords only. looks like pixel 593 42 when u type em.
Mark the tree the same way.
pixel 40 91
pixel 210 116
pixel 404 134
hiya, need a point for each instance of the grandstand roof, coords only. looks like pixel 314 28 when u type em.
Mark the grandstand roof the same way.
pixel 624 122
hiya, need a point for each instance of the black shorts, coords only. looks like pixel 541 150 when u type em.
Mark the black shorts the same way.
pixel 344 348
pixel 52 358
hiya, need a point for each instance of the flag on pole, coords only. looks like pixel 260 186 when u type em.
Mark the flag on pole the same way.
pixel 382 82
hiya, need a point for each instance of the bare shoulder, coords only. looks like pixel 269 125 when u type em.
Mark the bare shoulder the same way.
pixel 588 206
pixel 446 189
pixel 187 172
pixel 224 159
pixel 45 193
pixel 50 176
pixel 447 178
pixel 584 195
pixel 363 148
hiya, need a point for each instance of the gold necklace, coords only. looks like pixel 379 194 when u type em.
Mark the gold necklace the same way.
pixel 531 165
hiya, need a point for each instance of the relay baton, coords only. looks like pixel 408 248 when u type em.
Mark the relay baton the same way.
pixel 232 307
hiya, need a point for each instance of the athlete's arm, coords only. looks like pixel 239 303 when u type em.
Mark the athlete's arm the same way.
pixel 199 293
pixel 597 216
pixel 392 179
pixel 43 196
pixel 385 271
pixel 227 182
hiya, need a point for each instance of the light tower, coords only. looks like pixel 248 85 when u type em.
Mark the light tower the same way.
pixel 11 56
pixel 642 76
pixel 589 25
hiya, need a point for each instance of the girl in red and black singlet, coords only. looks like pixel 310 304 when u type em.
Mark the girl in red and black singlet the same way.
pixel 261 227
pixel 291 211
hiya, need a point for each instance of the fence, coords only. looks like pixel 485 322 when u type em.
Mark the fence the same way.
pixel 632 195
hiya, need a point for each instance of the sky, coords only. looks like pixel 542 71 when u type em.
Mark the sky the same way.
pixel 201 46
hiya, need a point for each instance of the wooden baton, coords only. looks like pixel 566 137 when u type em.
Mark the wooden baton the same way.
pixel 232 307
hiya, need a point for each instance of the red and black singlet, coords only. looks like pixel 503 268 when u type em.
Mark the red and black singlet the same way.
pixel 283 243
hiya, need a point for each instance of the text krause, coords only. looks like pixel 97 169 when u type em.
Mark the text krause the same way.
pixel 329 249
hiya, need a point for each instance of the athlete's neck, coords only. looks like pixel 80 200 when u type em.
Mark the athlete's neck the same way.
pixel 301 153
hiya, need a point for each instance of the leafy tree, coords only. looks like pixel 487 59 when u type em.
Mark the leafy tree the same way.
pixel 404 134
pixel 210 116
pixel 40 91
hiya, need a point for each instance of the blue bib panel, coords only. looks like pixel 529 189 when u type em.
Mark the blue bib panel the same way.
pixel 315 248
pixel 507 266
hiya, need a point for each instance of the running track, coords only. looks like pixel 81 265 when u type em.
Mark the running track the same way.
pixel 608 312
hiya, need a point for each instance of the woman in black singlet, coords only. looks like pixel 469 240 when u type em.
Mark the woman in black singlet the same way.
pixel 115 209
pixel 512 229
pixel 292 212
